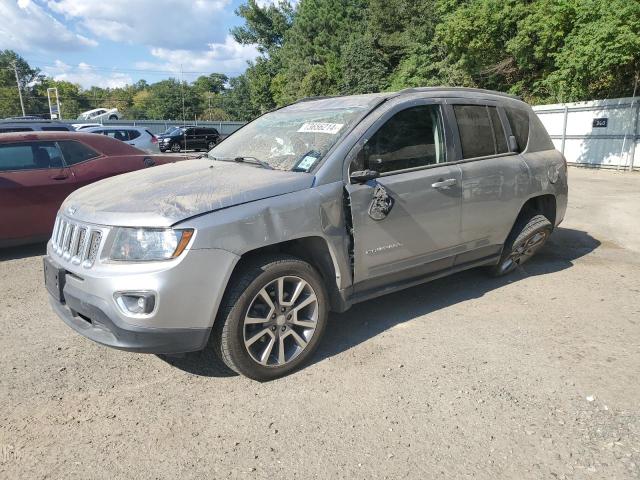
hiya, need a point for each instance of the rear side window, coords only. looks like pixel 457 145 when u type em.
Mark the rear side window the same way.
pixel 15 129
pixel 519 121
pixel 498 131
pixel 122 135
pixel 76 152
pixel 55 129
pixel 30 156
pixel 481 131
pixel 133 134
pixel 475 130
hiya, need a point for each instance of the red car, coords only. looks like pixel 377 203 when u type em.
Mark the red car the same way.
pixel 39 169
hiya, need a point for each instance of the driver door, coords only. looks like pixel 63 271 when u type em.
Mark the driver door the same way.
pixel 406 223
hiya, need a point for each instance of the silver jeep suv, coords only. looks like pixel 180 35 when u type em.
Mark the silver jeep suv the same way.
pixel 306 210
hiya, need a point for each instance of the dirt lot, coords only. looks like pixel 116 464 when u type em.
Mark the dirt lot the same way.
pixel 533 376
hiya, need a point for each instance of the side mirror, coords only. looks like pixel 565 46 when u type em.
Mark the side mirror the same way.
pixel 513 144
pixel 363 176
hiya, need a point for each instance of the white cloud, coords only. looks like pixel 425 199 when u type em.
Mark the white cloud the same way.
pixel 173 24
pixel 28 27
pixel 229 57
pixel 86 76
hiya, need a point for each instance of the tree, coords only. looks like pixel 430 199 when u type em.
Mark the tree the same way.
pixel 28 78
pixel 264 26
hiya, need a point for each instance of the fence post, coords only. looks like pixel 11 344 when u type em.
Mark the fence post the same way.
pixel 564 128
pixel 634 137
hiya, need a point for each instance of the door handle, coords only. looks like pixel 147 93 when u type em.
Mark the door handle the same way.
pixel 444 183
pixel 60 176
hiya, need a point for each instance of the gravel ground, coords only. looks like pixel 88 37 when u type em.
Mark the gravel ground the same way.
pixel 532 376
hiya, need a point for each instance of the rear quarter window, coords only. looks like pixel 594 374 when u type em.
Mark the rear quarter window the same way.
pixel 76 152
pixel 519 121
pixel 133 134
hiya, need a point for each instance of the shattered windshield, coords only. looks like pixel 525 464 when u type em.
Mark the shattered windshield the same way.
pixel 289 139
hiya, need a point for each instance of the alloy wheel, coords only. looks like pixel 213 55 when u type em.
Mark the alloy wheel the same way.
pixel 280 322
pixel 525 251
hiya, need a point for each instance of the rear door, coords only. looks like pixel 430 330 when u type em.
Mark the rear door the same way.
pixel 191 139
pixel 492 177
pixel 33 183
pixel 406 223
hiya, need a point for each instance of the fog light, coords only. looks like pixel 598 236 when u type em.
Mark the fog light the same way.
pixel 136 303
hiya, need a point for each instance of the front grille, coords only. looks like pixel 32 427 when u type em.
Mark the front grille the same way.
pixel 76 242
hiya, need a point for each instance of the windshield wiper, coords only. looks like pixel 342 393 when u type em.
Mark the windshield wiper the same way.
pixel 252 160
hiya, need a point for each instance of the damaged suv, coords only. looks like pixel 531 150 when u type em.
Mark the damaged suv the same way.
pixel 306 210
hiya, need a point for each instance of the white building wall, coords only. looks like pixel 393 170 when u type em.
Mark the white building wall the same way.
pixel 571 126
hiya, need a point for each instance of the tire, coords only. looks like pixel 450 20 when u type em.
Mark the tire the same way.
pixel 253 348
pixel 527 237
pixel 210 145
pixel 175 147
pixel 113 117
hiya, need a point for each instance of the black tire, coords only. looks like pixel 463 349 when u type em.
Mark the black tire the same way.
pixel 175 147
pixel 527 237
pixel 210 145
pixel 227 338
pixel 113 117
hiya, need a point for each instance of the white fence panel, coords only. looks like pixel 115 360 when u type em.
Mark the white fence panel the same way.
pixel 599 133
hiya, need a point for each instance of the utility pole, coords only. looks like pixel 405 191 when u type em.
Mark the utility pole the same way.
pixel 15 70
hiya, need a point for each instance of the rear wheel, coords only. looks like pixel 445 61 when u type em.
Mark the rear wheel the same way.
pixel 113 117
pixel 210 145
pixel 272 318
pixel 527 237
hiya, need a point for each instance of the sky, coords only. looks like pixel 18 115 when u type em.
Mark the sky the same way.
pixel 111 43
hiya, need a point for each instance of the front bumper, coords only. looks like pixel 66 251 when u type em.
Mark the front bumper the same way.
pixel 89 316
pixel 187 291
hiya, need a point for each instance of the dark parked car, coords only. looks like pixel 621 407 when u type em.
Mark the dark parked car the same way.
pixel 39 169
pixel 189 137
pixel 34 125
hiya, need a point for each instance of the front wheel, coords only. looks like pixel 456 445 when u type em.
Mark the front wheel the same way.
pixel 527 237
pixel 175 147
pixel 272 318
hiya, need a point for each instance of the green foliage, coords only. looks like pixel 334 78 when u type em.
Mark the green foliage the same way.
pixel 543 50
pixel 264 26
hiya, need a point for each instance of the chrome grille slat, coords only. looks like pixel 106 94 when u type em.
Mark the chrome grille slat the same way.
pixel 76 242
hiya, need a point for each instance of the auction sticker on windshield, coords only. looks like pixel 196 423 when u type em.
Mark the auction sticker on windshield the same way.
pixel 316 127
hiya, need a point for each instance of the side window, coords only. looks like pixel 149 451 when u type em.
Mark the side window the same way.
pixel 498 131
pixel 411 138
pixel 55 129
pixel 76 152
pixel 15 129
pixel 190 131
pixel 121 135
pixel 475 130
pixel 29 156
pixel 133 134
pixel 519 121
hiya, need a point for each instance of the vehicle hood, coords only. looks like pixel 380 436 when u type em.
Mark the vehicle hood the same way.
pixel 164 195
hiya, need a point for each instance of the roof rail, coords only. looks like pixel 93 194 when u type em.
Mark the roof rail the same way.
pixel 310 99
pixel 458 89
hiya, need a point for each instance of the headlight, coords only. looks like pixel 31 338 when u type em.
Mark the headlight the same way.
pixel 142 244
